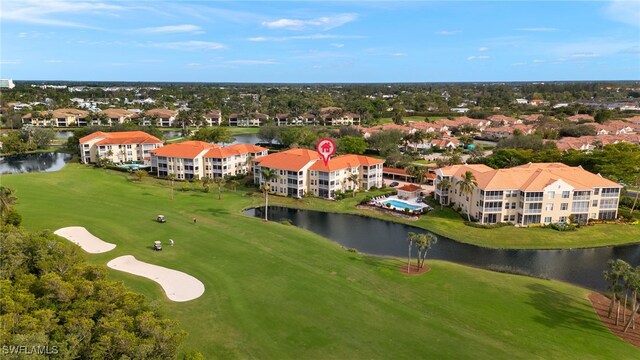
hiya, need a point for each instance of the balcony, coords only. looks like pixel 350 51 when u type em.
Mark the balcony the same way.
pixel 581 197
pixel 493 209
pixel 534 199
pixel 533 211
pixel 493 197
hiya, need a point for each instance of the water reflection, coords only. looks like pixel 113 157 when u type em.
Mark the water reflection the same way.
pixel 583 267
pixel 35 162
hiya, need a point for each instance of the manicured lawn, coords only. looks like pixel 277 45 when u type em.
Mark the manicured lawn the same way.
pixel 447 222
pixel 274 291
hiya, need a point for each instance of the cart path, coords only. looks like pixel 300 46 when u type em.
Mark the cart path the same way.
pixel 177 285
pixel 86 240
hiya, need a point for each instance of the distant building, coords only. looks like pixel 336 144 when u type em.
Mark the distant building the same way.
pixel 197 160
pixel 7 84
pixel 118 147
pixel 535 193
pixel 301 171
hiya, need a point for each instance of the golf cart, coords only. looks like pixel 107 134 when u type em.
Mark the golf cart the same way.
pixel 161 219
pixel 157 246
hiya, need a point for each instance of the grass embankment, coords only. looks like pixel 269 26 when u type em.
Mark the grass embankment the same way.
pixel 448 223
pixel 275 291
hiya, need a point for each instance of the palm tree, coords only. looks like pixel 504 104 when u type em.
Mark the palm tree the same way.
pixel 613 276
pixel 6 200
pixel 234 184
pixel 353 178
pixel 416 172
pixel 267 175
pixel 443 185
pixel 411 238
pixel 172 178
pixel 219 181
pixel 634 285
pixel 140 174
pixel 466 185
pixel 424 242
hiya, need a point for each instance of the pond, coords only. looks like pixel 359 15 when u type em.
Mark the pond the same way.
pixel 171 134
pixel 583 267
pixel 63 135
pixel 34 162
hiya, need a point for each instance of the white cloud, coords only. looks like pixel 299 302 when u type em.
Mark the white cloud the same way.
pixel 583 55
pixel 47 12
pixel 337 45
pixel 53 61
pixel 194 64
pixel 324 23
pixel 10 62
pixel 537 61
pixel 483 49
pixel 22 35
pixel 304 37
pixel 172 29
pixel 448 32
pixel 519 64
pixel 538 29
pixel 399 54
pixel 252 62
pixel 188 45
pixel 627 12
pixel 481 57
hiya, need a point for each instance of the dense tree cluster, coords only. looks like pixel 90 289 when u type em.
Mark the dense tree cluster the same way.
pixel 27 140
pixel 49 297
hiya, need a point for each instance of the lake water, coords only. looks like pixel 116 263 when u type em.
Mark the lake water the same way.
pixel 63 135
pixel 35 162
pixel 583 267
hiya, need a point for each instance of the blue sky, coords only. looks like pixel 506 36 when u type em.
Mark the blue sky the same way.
pixel 329 41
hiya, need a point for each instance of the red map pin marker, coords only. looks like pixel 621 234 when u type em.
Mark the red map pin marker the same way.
pixel 326 148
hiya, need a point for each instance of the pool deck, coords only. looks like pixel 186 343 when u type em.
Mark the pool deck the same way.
pixel 381 202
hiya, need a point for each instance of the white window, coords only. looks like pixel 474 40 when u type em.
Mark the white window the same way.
pixel 563 219
pixel 548 207
pixel 564 206
pixel 565 194
pixel 547 220
pixel 551 194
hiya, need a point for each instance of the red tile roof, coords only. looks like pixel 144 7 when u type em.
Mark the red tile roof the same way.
pixel 121 137
pixel 297 159
pixel 409 188
pixel 292 160
pixel 237 149
pixel 344 162
pixel 394 171
pixel 184 150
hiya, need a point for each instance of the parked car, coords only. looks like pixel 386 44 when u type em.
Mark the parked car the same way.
pixel 161 219
pixel 394 184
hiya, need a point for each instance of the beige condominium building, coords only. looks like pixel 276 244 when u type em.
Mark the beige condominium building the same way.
pixel 302 171
pixel 540 193
pixel 196 159
pixel 118 147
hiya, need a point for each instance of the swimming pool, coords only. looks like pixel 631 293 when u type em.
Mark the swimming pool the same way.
pixel 130 166
pixel 402 205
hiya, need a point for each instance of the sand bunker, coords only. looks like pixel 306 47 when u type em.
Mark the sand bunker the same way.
pixel 177 285
pixel 83 238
